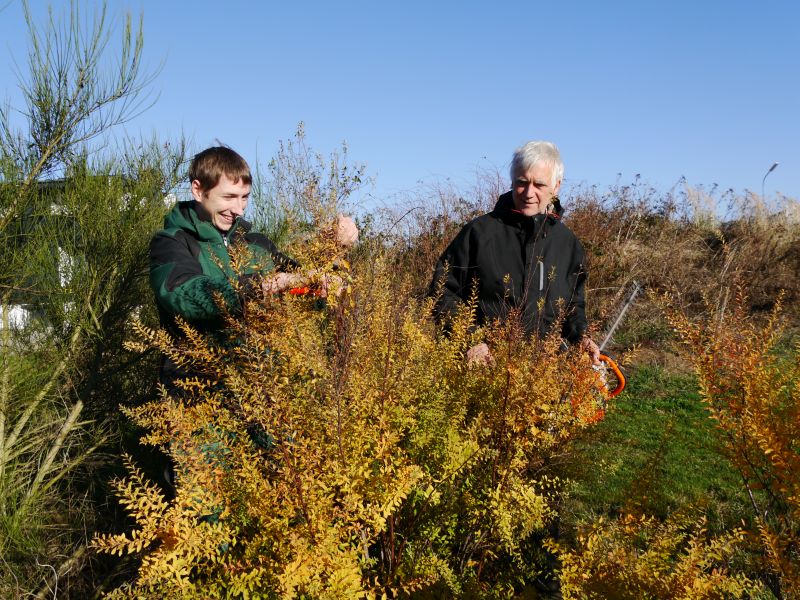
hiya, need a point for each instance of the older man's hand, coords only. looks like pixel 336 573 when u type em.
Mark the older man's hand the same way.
pixel 591 349
pixel 479 355
pixel 330 283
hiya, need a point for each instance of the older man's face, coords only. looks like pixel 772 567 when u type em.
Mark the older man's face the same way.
pixel 532 191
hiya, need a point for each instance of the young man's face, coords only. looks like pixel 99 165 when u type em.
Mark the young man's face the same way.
pixel 223 203
pixel 532 191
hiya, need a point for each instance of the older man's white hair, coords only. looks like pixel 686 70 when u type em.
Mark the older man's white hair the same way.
pixel 537 152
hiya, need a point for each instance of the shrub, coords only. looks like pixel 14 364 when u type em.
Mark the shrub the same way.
pixel 641 557
pixel 350 452
pixel 752 392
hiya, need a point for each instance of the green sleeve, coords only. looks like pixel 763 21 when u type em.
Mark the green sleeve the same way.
pixel 181 286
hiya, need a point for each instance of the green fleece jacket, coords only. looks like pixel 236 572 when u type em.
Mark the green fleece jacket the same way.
pixel 189 262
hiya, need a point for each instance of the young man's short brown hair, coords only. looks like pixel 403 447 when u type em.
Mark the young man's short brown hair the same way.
pixel 212 163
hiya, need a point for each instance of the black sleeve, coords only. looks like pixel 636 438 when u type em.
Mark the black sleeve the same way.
pixel 282 262
pixel 451 283
pixel 575 324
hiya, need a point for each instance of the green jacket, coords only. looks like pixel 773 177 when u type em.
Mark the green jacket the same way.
pixel 189 262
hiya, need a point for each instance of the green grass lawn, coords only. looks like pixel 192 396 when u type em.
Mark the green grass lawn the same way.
pixel 657 450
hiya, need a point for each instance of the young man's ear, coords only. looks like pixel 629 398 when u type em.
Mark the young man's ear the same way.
pixel 197 190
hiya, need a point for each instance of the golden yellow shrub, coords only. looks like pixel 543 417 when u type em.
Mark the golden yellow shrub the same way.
pixel 347 451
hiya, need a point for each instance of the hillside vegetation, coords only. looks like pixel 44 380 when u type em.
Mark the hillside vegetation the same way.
pixel 347 450
pixel 354 452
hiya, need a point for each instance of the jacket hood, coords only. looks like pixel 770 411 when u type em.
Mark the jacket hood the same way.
pixel 185 215
pixel 505 207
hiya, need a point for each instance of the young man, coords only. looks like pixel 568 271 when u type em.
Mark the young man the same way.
pixel 520 256
pixel 189 261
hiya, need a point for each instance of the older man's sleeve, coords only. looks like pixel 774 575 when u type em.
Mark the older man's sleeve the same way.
pixel 575 325
pixel 450 278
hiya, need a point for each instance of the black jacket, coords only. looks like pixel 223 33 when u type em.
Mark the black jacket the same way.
pixel 516 262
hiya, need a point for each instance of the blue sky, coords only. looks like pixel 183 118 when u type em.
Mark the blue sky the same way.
pixel 707 89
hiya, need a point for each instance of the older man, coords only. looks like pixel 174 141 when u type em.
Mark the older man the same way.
pixel 520 256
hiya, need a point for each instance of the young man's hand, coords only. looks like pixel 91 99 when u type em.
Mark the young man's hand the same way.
pixel 330 283
pixel 322 284
pixel 346 231
pixel 280 282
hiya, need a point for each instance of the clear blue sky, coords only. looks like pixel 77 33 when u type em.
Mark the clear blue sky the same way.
pixel 706 89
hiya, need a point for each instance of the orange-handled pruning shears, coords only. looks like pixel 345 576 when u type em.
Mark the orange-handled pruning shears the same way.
pixel 305 291
pixel 603 393
pixel 316 290
pixel 607 370
pixel 612 365
pixel 607 360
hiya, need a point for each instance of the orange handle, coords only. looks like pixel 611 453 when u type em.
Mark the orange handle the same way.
pixel 617 372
